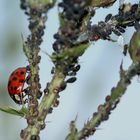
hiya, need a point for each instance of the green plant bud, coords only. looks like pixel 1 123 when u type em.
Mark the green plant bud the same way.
pixel 134 47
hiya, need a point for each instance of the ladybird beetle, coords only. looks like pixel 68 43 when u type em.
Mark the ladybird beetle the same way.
pixel 16 83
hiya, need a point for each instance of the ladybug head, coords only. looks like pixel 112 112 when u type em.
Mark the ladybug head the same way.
pixel 18 98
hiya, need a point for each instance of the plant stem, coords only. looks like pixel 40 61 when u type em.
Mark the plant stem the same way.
pixel 105 109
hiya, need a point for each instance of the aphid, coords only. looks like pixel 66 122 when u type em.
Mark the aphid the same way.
pixel 56 36
pixel 95 37
pixel 121 29
pixel 71 80
pixel 33 24
pixel 116 32
pixel 53 70
pixel 136 25
pixel 134 8
pixel 16 83
pixel 63 86
pixel 77 68
pixel 108 17
pixel 125 49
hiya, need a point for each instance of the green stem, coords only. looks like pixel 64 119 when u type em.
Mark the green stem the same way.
pixel 104 110
pixel 45 105
pixel 53 90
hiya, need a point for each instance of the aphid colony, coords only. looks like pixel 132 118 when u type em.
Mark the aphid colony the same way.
pixel 17 80
pixel 128 15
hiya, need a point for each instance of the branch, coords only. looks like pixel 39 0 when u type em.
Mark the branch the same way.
pixel 65 58
pixel 128 15
pixel 111 101
pixel 44 108
pixel 104 110
pixel 36 10
pixel 65 61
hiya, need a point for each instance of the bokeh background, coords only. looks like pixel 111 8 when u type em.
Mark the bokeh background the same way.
pixel 98 74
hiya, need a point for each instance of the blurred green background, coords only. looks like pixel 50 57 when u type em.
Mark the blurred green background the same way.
pixel 98 74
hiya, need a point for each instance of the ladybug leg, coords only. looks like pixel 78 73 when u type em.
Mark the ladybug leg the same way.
pixel 26 101
pixel 27 80
pixel 22 98
pixel 26 91
pixel 17 98
pixel 25 94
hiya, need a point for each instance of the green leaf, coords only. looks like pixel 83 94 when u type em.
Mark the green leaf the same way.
pixel 22 112
pixel 71 52
pixel 134 47
pixel 102 3
pixel 61 20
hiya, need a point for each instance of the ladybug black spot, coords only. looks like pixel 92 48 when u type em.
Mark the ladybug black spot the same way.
pixel 22 72
pixel 14 78
pixel 71 80
pixel 15 88
pixel 21 81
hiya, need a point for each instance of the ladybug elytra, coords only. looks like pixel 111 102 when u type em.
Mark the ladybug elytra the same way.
pixel 16 83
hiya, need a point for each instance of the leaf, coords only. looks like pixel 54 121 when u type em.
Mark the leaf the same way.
pixel 71 52
pixel 61 20
pixel 134 47
pixel 22 112
pixel 102 3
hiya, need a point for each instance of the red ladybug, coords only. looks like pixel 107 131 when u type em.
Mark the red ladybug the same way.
pixel 16 83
